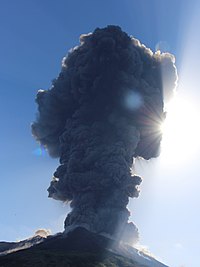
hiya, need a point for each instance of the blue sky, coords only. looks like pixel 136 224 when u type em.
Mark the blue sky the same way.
pixel 35 35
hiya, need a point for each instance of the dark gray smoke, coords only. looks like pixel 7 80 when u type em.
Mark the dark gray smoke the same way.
pixel 104 109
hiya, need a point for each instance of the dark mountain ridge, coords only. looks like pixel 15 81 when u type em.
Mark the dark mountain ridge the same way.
pixel 78 248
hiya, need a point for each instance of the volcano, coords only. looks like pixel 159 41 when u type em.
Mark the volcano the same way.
pixel 78 248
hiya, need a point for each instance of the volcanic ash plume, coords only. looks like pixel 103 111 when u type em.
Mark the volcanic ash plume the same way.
pixel 42 233
pixel 104 109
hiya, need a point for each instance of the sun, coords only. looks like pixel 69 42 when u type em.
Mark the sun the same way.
pixel 181 131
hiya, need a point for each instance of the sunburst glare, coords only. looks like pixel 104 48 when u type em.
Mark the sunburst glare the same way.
pixel 181 131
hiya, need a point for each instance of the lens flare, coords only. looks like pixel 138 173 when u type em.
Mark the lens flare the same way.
pixel 39 151
pixel 133 100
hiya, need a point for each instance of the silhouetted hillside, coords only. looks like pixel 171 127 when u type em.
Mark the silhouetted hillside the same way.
pixel 79 248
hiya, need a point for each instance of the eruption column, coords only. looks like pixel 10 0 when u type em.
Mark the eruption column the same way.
pixel 104 109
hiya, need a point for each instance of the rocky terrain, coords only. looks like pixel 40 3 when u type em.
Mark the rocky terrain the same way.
pixel 78 248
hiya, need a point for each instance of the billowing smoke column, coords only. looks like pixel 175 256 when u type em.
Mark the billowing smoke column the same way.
pixel 104 109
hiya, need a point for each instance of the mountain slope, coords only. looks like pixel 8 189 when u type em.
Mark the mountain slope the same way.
pixel 79 248
pixel 9 247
